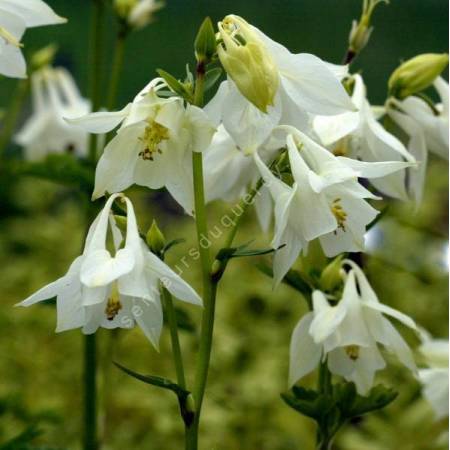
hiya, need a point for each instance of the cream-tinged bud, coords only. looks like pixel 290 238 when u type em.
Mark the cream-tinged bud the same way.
pixel 361 31
pixel 332 275
pixel 137 13
pixel 44 57
pixel 247 61
pixel 416 74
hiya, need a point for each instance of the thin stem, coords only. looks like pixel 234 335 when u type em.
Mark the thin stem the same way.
pixel 96 50
pixel 90 393
pixel 176 349
pixel 12 114
pixel 244 203
pixel 116 69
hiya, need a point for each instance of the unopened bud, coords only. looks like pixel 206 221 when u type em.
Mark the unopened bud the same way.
pixel 155 239
pixel 331 276
pixel 137 13
pixel 205 42
pixel 43 57
pixel 361 31
pixel 248 62
pixel 121 222
pixel 416 74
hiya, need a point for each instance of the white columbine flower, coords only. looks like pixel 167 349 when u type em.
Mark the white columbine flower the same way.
pixel 360 135
pixel 153 146
pixel 325 201
pixel 15 17
pixel 435 378
pixel 102 290
pixel 54 96
pixel 433 123
pixel 347 336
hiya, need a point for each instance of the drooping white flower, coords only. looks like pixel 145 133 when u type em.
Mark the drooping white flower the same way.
pixel 54 96
pixel 153 146
pixel 360 135
pixel 325 201
pixel 347 336
pixel 433 123
pixel 142 12
pixel 111 291
pixel 15 17
pixel 435 378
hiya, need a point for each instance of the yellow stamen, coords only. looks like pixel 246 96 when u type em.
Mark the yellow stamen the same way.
pixel 352 352
pixel 9 38
pixel 154 134
pixel 113 306
pixel 339 213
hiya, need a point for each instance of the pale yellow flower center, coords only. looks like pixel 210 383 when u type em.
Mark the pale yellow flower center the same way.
pixel 154 134
pixel 352 352
pixel 113 306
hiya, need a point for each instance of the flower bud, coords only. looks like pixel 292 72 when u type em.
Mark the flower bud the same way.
pixel 331 276
pixel 137 13
pixel 205 42
pixel 43 57
pixel 121 222
pixel 247 61
pixel 416 74
pixel 155 239
pixel 361 31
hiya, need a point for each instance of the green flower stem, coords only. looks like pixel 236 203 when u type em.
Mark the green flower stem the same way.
pixel 96 52
pixel 12 113
pixel 116 69
pixel 324 387
pixel 244 203
pixel 90 393
pixel 176 349
pixel 209 287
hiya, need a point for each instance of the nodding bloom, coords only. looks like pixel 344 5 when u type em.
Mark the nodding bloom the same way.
pixel 15 18
pixel 153 146
pixel 324 201
pixel 114 290
pixel 359 135
pixel 434 378
pixel 54 97
pixel 137 13
pixel 348 336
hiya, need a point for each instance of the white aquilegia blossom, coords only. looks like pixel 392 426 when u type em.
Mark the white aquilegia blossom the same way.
pixel 262 67
pixel 15 17
pixel 347 336
pixel 54 97
pixel 435 378
pixel 153 146
pixel 325 201
pixel 432 121
pixel 114 291
pixel 137 13
pixel 360 135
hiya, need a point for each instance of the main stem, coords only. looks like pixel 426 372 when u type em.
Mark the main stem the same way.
pixel 90 393
pixel 209 287
pixel 90 439
pixel 116 69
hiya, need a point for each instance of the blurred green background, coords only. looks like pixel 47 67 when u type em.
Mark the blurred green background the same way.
pixel 41 231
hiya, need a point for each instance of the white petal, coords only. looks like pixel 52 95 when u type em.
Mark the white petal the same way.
pixel 172 282
pixel 99 268
pixel 304 354
pixel 149 317
pixel 436 390
pixel 310 83
pixel 375 169
pixel 12 62
pixel 34 12
pixel 100 122
pixel 200 127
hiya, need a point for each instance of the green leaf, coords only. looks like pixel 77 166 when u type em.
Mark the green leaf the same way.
pixel 155 381
pixel 174 84
pixel 211 77
pixel 352 404
pixel 309 402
